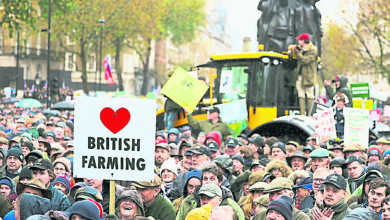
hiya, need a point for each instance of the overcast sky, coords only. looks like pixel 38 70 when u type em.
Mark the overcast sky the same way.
pixel 243 16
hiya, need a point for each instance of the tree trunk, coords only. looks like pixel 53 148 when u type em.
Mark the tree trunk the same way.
pixel 145 71
pixel 84 76
pixel 118 63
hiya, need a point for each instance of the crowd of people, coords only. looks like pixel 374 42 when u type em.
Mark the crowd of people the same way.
pixel 201 172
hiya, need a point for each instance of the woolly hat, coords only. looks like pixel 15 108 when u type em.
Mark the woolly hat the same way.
pixel 25 173
pixel 6 181
pixel 202 213
pixel 65 180
pixel 169 165
pixel 283 206
pixel 16 152
pixel 385 153
pixel 239 158
pixel 85 209
pixel 64 162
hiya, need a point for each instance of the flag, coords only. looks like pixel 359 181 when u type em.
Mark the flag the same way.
pixel 25 85
pixel 45 85
pixel 107 72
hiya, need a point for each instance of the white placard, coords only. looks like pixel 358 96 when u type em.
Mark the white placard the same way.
pixel 226 81
pixel 7 92
pixel 356 127
pixel 114 138
pixel 324 125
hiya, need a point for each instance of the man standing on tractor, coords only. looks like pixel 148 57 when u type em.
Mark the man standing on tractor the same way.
pixel 306 70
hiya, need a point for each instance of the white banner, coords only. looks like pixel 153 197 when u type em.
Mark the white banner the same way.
pixel 356 127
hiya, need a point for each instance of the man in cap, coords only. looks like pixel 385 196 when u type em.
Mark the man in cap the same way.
pixel 210 194
pixel 213 123
pixel 278 151
pixel 354 150
pixel 200 156
pixel 256 144
pixel 27 147
pixel 14 161
pixel 50 137
pixel 155 205
pixel 297 161
pixel 4 143
pixel 341 87
pixel 336 165
pixel 373 154
pixel 214 149
pixel 356 173
pixel 280 209
pixel 319 158
pixel 43 169
pixel 238 165
pixel 291 147
pixel 383 144
pixel 259 164
pixel 302 189
pixel 161 154
pixel 277 188
pixel 335 191
pixel 231 147
pixel 34 186
pixel 336 146
pixel 306 70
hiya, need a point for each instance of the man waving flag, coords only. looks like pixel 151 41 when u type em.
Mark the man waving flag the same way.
pixel 107 72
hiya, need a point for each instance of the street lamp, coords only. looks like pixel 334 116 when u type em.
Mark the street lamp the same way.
pixel 101 22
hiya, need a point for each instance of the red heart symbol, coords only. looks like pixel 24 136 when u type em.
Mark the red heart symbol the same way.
pixel 115 121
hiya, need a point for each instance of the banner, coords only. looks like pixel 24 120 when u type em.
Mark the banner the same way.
pixel 361 90
pixel 107 72
pixel 184 89
pixel 324 125
pixel 356 127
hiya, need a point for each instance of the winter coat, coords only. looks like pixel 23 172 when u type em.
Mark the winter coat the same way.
pixel 161 208
pixel 60 201
pixel 342 89
pixel 281 165
pixel 340 209
pixel 33 205
pixel 351 188
pixel 4 172
pixel 207 126
pixel 297 215
pixel 193 201
pixel 307 65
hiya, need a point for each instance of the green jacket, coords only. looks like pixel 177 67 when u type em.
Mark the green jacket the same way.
pixel 297 215
pixel 190 203
pixel 341 210
pixel 207 126
pixel 307 65
pixel 161 209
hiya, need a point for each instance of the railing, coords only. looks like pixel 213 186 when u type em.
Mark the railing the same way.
pixel 33 53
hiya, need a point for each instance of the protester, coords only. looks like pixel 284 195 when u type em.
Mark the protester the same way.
pixel 341 87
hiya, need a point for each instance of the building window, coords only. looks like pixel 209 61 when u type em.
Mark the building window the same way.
pixel 70 62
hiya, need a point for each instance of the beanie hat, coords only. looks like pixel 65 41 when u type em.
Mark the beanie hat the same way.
pixel 239 158
pixel 25 173
pixel 279 145
pixel 28 144
pixel 202 213
pixel 64 162
pixel 283 206
pixel 385 153
pixel 65 180
pixel 6 181
pixel 16 152
pixel 170 165
pixel 85 209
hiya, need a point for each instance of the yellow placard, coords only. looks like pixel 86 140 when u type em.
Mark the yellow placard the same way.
pixel 358 103
pixel 184 89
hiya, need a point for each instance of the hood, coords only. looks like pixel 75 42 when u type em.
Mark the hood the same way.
pixel 33 205
pixel 192 174
pixel 174 131
pixel 362 214
pixel 343 81
pixel 214 135
pixel 284 168
pixel 364 197
pixel 13 185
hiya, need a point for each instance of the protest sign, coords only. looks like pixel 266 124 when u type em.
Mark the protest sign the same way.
pixel 324 125
pixel 114 138
pixel 184 89
pixel 375 115
pixel 226 81
pixel 361 90
pixel 356 127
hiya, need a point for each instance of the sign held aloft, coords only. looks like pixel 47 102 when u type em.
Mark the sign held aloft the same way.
pixel 356 127
pixel 360 90
pixel 114 138
pixel 324 125
pixel 184 89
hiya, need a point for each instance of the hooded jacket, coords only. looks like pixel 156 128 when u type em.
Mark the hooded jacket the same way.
pixel 33 205
pixel 192 174
pixel 193 201
pixel 12 195
pixel 174 131
pixel 357 199
pixel 342 89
